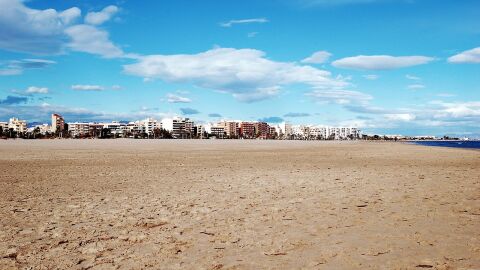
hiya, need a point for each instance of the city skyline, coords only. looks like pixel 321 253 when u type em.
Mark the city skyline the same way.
pixel 305 61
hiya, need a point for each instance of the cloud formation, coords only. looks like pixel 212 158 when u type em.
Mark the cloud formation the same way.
pixel 12 100
pixel 171 98
pixel 89 39
pixel 17 67
pixel 31 30
pixel 216 115
pixel 189 111
pixel 434 114
pixel 244 21
pixel 319 57
pixel 416 86
pixel 412 77
pixel 244 73
pixel 97 18
pixel 87 87
pixel 49 31
pixel 380 62
pixel 292 114
pixel 36 90
pixel 339 96
pixel 271 119
pixel 470 56
pixel 371 77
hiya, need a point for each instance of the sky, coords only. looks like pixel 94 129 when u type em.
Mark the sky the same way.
pixel 409 67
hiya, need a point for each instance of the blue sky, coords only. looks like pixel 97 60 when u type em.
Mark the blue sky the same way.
pixel 387 66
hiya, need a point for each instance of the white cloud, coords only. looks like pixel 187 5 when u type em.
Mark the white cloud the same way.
pixel 371 77
pixel 37 90
pixel 339 96
pixel 16 67
pixel 10 71
pixel 171 98
pixel 470 56
pixel 87 87
pixel 244 73
pixel 97 18
pixel 380 62
pixel 260 94
pixel 434 114
pixel 457 109
pixel 48 31
pixel 89 39
pixel 252 34
pixel 244 21
pixel 416 86
pixel 411 77
pixel 32 30
pixel 406 117
pixel 116 87
pixel 319 57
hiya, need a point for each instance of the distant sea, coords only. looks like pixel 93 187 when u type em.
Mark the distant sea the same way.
pixel 456 144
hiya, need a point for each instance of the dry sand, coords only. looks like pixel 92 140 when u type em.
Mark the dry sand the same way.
pixel 133 204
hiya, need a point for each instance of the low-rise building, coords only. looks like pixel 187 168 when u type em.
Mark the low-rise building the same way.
pixel 231 128
pixel 78 129
pixel 3 126
pixel 116 128
pixel 17 125
pixel 218 132
pixel 42 129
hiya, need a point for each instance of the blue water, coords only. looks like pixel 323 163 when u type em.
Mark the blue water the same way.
pixel 457 144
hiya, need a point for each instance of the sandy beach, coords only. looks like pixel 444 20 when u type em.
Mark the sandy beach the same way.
pixel 220 204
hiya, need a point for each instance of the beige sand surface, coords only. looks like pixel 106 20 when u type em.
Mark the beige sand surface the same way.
pixel 133 204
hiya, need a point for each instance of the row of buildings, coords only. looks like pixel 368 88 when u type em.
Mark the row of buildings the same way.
pixel 183 128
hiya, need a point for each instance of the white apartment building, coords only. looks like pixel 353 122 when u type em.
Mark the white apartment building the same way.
pixel 179 127
pixel 44 128
pixel 200 131
pixel 17 125
pixel 323 132
pixel 115 127
pixel 218 132
pixel 4 125
pixel 149 125
pixel 284 130
pixel 77 129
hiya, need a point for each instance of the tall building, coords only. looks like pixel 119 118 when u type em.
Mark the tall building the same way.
pixel 247 130
pixel 200 131
pixel 285 130
pixel 262 130
pixel 17 125
pixel 231 128
pixel 179 127
pixel 58 123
